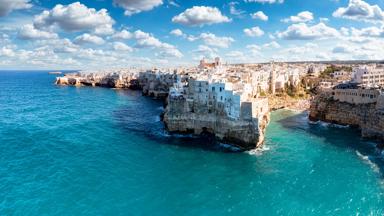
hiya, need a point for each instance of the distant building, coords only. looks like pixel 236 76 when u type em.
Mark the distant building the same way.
pixel 355 94
pixel 368 75
pixel 205 65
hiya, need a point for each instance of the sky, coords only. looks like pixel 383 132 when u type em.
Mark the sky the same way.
pixel 98 34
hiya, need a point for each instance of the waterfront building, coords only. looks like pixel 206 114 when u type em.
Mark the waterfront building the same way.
pixel 356 94
pixel 370 75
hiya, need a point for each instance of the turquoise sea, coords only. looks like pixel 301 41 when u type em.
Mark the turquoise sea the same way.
pixel 96 151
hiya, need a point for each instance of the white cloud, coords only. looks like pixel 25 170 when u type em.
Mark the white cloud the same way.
pixel 4 39
pixel 7 6
pixel 215 41
pixel 91 39
pixel 254 32
pixel 260 15
pixel 360 10
pixel 324 19
pixel 296 52
pixel 136 6
pixel 170 52
pixel 177 32
pixel 204 51
pixel 63 46
pixel 173 3
pixel 199 16
pixel 76 17
pixel 302 31
pixel 304 16
pixel 272 44
pixel 7 52
pixel 235 54
pixel 372 31
pixel 342 49
pixel 146 40
pixel 208 38
pixel 254 49
pixel 28 32
pixel 266 1
pixel 119 46
pixel 233 10
pixel 122 35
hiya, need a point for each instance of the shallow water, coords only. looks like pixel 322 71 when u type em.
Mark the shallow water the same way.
pixel 95 151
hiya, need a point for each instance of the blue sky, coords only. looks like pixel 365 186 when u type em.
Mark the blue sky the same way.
pixel 47 34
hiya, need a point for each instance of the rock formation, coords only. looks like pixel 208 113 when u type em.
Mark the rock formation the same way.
pixel 368 117
pixel 184 115
pixel 245 127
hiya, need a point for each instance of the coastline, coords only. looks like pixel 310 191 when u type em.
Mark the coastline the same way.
pixel 245 131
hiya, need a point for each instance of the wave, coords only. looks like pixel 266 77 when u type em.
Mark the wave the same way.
pixel 326 124
pixel 368 161
pixel 313 122
pixel 165 133
pixel 258 151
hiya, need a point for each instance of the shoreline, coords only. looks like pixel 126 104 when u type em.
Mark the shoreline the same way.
pixel 244 131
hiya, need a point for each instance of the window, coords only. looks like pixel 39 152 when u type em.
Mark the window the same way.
pixel 213 89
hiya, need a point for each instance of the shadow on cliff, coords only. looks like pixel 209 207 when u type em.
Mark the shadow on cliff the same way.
pixel 141 116
pixel 342 137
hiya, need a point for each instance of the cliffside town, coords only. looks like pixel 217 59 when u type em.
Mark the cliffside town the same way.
pixel 356 100
pixel 230 102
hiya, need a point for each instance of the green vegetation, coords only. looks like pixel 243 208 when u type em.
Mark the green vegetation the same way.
pixel 331 69
pixel 263 94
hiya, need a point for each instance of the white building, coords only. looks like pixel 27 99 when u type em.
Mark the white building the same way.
pixel 368 75
pixel 355 94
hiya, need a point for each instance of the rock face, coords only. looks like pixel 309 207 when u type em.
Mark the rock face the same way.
pixel 75 81
pixel 367 117
pixel 276 103
pixel 244 133
pixel 156 85
pixel 109 80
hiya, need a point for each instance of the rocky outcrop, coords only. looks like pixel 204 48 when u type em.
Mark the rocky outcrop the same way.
pixel 68 80
pixel 244 133
pixel 247 132
pixel 364 116
pixel 281 102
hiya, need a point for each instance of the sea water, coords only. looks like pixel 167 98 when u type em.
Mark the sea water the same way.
pixel 96 151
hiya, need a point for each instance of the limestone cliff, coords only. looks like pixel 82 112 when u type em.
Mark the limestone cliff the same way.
pixel 367 117
pixel 244 133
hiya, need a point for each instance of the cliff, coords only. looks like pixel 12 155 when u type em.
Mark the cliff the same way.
pixel 285 101
pixel 236 122
pixel 246 133
pixel 109 81
pixel 151 84
pixel 368 117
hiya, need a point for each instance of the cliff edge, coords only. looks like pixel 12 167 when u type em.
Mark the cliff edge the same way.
pixel 246 132
pixel 369 117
